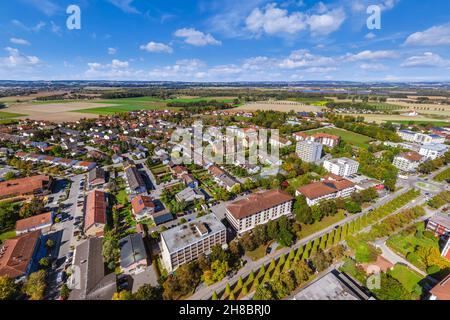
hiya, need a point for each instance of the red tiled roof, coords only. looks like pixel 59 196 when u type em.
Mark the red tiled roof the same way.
pixel 411 156
pixel 141 202
pixel 23 186
pixel 319 189
pixel 95 209
pixel 17 254
pixel 258 202
pixel 442 289
pixel 215 170
pixel 35 221
pixel 325 135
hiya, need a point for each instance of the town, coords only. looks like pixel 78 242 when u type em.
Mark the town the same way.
pixel 96 209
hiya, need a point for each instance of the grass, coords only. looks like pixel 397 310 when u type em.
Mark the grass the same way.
pixel 122 197
pixel 7 235
pixel 356 139
pixel 10 115
pixel 308 229
pixel 258 253
pixel 444 175
pixel 140 103
pixel 407 277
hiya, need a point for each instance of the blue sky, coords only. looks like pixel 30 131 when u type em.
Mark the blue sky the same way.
pixel 225 40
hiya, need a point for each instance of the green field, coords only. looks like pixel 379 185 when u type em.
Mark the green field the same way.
pixel 309 229
pixel 7 235
pixel 444 175
pixel 140 103
pixel 10 115
pixel 356 139
pixel 408 278
pixel 434 123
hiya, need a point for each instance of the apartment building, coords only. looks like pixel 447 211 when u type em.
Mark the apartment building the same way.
pixel 331 187
pixel 309 151
pixel 417 137
pixel 433 150
pixel 343 167
pixel 188 241
pixel 408 161
pixel 258 208
pixel 439 224
pixel 325 139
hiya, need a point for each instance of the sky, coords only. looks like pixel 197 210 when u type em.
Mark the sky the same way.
pixel 225 40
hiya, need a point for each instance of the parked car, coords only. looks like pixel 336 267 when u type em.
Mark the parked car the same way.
pixel 61 277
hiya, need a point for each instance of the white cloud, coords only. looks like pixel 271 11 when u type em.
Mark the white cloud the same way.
pixel 17 60
pixel 124 5
pixel 361 5
pixel 276 21
pixel 156 47
pixel 326 23
pixel 19 41
pixel 305 59
pixel 116 70
pixel 434 36
pixel 273 20
pixel 370 36
pixel 38 27
pixel 372 55
pixel 112 51
pixel 46 6
pixel 196 38
pixel 372 66
pixel 427 59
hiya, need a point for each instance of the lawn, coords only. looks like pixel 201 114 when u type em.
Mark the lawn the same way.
pixel 7 235
pixel 308 229
pixel 356 139
pixel 258 253
pixel 407 277
pixel 122 197
pixel 444 175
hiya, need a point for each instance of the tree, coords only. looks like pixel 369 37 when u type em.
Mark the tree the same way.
pixel 148 292
pixel 321 260
pixel 272 229
pixel 50 243
pixel 263 293
pixel 8 288
pixel 214 296
pixel 122 295
pixel 227 290
pixel 260 234
pixel 64 292
pixel 110 250
pixel 353 207
pixel 302 211
pixel 44 262
pixel 302 271
pixel 9 176
pixel 35 285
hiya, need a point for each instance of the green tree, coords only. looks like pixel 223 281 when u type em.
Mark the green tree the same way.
pixel 214 296
pixel 302 211
pixel 64 292
pixel 8 288
pixel 122 295
pixel 148 292
pixel 35 285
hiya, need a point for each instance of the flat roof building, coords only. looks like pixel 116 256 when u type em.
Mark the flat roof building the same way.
pixel 188 241
pixel 341 166
pixel 133 257
pixel 309 151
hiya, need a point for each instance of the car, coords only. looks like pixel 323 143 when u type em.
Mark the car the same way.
pixel 61 277
pixel 268 250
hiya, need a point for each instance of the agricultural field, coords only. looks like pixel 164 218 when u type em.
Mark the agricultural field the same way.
pixel 356 139
pixel 381 118
pixel 283 106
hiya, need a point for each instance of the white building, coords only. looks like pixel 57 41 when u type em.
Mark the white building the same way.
pixel 331 187
pixel 309 151
pixel 408 161
pixel 258 208
pixel 341 167
pixel 433 150
pixel 421 138
pixel 188 241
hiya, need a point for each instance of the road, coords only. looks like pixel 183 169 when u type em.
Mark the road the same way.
pixel 64 230
pixel 205 292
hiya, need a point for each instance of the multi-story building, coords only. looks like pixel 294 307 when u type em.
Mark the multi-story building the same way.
pixel 35 185
pixel 188 241
pixel 309 151
pixel 408 161
pixel 331 187
pixel 417 137
pixel 343 167
pixel 433 150
pixel 258 208
pixel 442 290
pixel 325 139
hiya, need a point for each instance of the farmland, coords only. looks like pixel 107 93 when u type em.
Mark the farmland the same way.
pixel 347 136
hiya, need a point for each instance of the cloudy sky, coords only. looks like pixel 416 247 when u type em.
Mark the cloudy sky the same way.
pixel 225 40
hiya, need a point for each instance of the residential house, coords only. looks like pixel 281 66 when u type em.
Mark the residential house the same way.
pixel 96 209
pixel 41 222
pixel 189 195
pixel 35 185
pixel 96 177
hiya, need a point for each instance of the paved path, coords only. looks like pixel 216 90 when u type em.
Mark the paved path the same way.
pixel 204 292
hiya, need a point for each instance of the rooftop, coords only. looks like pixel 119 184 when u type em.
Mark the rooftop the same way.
pixel 132 250
pixel 192 232
pixel 17 253
pixel 322 188
pixel 24 185
pixel 95 208
pixel 258 202
pixel 33 222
